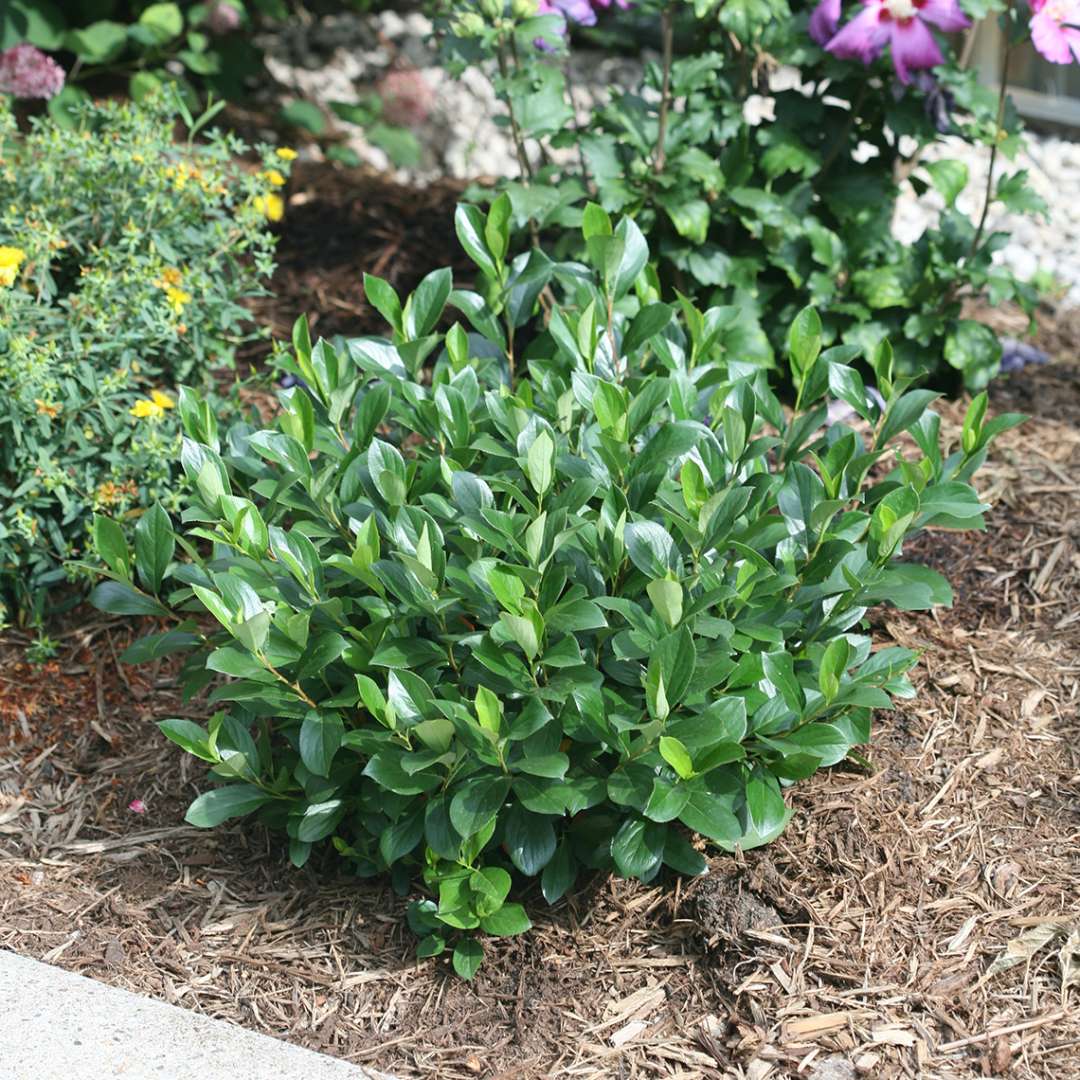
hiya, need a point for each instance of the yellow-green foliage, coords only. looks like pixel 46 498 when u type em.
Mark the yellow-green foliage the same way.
pixel 124 254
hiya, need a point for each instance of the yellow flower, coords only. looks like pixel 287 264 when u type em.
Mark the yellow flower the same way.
pixel 142 409
pixel 152 408
pixel 47 409
pixel 11 258
pixel 286 153
pixel 273 206
pixel 274 177
pixel 171 276
pixel 177 298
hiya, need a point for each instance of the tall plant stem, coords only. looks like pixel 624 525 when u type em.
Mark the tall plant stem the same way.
pixel 842 138
pixel 585 179
pixel 519 140
pixel 515 129
pixel 988 197
pixel 667 32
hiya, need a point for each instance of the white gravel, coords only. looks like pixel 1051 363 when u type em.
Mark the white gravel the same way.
pixel 1050 246
pixel 342 59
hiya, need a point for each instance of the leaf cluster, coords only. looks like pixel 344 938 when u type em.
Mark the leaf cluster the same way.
pixel 765 194
pixel 553 595
pixel 114 298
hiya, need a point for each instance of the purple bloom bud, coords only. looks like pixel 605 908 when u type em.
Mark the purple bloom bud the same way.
pixel 824 21
pixel 1016 355
pixel 578 11
pixel 938 102
pixel 27 72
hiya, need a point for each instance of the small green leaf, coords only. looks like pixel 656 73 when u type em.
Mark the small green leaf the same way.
pixel 191 737
pixel 677 756
pixel 638 848
pixel 468 956
pixel 163 21
pixel 804 342
pixel 306 115
pixel 112 545
pixel 833 664
pixel 489 710
pixel 541 463
pixel 320 738
pixel 476 803
pixel 220 804
pixel 154 547
pixel 667 598
pixel 509 920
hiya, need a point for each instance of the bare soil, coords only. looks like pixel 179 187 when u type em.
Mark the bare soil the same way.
pixel 919 918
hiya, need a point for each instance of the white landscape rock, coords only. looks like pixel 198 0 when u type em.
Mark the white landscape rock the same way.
pixel 1051 246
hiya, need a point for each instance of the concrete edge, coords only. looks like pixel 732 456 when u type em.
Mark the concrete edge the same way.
pixel 59 1024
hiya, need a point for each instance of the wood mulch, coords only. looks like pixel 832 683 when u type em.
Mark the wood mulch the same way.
pixel 342 223
pixel 919 918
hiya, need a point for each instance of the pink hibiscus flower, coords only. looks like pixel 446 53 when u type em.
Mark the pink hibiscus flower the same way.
pixel 1055 29
pixel 903 26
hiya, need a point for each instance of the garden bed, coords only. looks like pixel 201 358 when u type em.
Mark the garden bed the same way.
pixel 857 944
pixel 343 223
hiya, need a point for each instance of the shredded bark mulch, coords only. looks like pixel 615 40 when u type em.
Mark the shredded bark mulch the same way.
pixel 342 223
pixel 919 918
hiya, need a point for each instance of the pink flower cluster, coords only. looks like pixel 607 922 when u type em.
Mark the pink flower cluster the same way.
pixel 407 99
pixel 904 25
pixel 221 18
pixel 1055 29
pixel 27 72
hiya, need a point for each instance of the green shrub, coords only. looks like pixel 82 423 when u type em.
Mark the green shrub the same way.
pixel 200 48
pixel 768 200
pixel 124 258
pixel 548 605
pixel 204 44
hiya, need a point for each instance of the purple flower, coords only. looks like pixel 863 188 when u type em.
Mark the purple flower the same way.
pixel 938 103
pixel 903 26
pixel 27 72
pixel 824 21
pixel 578 11
pixel 1016 355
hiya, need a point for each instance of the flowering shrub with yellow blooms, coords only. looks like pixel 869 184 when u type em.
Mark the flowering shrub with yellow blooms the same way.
pixel 125 253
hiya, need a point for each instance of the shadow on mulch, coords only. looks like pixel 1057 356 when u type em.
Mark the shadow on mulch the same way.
pixel 342 223
pixel 859 944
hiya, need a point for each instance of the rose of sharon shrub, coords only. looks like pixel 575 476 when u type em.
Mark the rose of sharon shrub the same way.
pixel 764 155
pixel 545 609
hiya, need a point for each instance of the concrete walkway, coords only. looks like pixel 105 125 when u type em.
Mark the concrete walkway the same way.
pixel 60 1026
